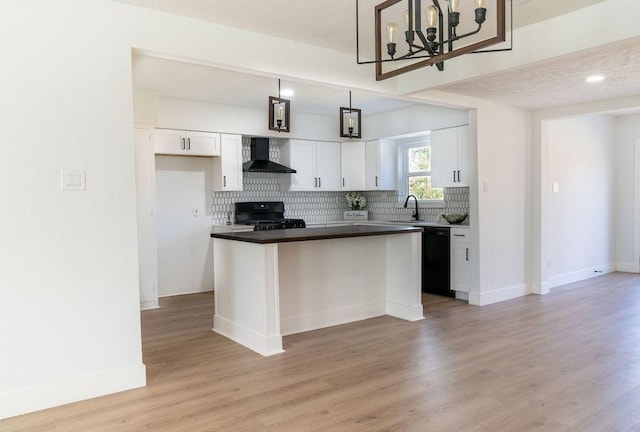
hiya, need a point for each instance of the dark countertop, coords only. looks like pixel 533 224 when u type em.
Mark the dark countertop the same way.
pixel 307 234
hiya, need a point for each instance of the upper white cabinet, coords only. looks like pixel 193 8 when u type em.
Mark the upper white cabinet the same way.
pixel 353 165
pixel 380 165
pixel 449 157
pixel 317 165
pixel 227 169
pixel 186 143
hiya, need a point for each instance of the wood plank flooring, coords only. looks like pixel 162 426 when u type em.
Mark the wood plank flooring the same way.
pixel 567 361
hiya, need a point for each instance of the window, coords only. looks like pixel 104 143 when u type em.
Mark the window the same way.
pixel 415 172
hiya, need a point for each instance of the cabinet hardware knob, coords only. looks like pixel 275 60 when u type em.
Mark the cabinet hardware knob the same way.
pixel 184 147
pixel 454 176
pixel 319 182
pixel 376 181
pixel 467 254
pixel 458 176
pixel 188 143
pixel 224 181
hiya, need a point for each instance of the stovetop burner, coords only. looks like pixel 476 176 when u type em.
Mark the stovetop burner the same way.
pixel 265 215
pixel 278 224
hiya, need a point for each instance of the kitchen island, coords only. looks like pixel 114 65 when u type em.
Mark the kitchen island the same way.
pixel 269 284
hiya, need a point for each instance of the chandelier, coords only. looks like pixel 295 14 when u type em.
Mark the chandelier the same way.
pixel 433 34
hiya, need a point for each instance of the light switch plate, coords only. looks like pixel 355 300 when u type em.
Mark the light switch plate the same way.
pixel 72 180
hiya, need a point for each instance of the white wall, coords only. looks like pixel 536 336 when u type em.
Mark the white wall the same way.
pixel 185 250
pixel 193 115
pixel 627 132
pixel 580 215
pixel 499 213
pixel 69 301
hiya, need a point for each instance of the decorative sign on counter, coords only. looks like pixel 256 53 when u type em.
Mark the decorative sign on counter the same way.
pixel 356 215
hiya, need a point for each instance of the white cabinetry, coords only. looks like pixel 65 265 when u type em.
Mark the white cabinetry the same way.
pixel 460 260
pixel 227 169
pixel 353 165
pixel 317 165
pixel 449 157
pixel 380 165
pixel 186 143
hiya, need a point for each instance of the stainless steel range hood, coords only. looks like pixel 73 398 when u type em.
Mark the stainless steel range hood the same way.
pixel 260 162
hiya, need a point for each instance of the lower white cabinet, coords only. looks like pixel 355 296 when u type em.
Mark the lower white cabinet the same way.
pixel 227 169
pixel 460 260
pixel 186 143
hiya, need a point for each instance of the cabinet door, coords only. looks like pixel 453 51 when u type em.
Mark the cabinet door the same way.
pixel 353 165
pixel 372 165
pixel 227 174
pixel 328 166
pixel 460 261
pixel 169 142
pixel 203 143
pixel 302 158
pixel 463 156
pixel 444 158
pixel 381 165
pixel 186 143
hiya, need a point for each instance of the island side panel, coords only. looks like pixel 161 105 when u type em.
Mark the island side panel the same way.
pixel 330 282
pixel 246 294
pixel 404 264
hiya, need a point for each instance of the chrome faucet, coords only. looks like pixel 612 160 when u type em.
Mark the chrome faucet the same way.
pixel 415 215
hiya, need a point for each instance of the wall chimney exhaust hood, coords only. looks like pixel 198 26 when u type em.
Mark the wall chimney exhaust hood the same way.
pixel 260 162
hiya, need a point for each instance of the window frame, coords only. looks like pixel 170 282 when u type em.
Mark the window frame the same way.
pixel 403 174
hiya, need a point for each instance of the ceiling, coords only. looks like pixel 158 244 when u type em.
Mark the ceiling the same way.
pixel 207 84
pixel 551 83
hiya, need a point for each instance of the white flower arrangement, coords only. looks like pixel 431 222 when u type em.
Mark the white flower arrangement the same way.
pixel 356 200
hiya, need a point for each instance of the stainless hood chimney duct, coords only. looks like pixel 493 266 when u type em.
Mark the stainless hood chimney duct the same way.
pixel 260 162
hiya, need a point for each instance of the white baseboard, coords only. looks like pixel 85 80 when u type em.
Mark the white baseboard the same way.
pixel 627 267
pixel 461 295
pixel 317 320
pixel 578 275
pixel 53 394
pixel 184 293
pixel 405 312
pixel 498 295
pixel 149 305
pixel 263 345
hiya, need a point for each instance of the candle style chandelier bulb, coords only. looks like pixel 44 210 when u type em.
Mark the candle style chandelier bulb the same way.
pixel 392 31
pixel 432 16
pixel 405 18
pixel 279 113
pixel 481 4
pixel 454 5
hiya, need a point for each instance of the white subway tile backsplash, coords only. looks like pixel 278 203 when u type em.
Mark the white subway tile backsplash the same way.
pixel 325 206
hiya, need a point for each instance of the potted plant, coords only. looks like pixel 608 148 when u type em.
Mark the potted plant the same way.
pixel 357 203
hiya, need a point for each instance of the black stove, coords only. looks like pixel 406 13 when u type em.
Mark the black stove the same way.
pixel 265 215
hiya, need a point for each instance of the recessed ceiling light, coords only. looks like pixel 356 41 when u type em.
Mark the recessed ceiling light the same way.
pixel 594 78
pixel 287 92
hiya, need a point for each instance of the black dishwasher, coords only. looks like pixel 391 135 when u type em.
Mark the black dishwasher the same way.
pixel 435 261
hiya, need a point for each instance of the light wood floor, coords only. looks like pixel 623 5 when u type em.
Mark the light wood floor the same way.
pixel 567 361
